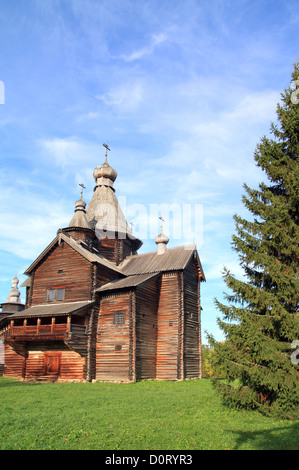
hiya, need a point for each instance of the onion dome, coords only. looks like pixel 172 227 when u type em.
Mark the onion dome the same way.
pixel 103 212
pixel 79 219
pixel 161 240
pixel 105 175
pixel 105 171
pixel 14 295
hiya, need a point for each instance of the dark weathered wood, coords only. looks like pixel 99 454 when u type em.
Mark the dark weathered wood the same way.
pixel 146 330
pixel 192 345
pixel 113 341
pixel 74 276
pixel 168 327
pixel 116 249
pixel 15 358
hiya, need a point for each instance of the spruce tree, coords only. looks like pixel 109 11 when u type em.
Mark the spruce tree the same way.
pixel 261 320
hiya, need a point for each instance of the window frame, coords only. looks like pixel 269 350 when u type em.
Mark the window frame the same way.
pixel 52 294
pixel 119 318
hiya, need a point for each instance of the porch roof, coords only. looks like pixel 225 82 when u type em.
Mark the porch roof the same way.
pixel 51 309
pixel 131 281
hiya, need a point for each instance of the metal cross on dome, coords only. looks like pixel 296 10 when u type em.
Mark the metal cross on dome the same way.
pixel 162 220
pixel 107 148
pixel 82 187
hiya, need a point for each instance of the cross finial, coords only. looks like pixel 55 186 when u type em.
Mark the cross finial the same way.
pixel 107 148
pixel 162 220
pixel 82 187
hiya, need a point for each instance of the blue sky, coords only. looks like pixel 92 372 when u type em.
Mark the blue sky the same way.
pixel 182 92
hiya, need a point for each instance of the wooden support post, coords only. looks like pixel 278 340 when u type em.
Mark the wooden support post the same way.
pixel 37 326
pixel 24 326
pixel 52 325
pixel 68 324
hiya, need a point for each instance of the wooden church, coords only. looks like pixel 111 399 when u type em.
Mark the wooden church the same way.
pixel 96 310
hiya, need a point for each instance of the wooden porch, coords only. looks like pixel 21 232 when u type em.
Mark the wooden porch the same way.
pixel 36 329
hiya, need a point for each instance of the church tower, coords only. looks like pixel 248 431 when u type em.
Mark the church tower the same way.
pixel 105 216
pixel 79 228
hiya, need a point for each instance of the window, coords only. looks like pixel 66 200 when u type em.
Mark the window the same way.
pixel 59 294
pixel 55 294
pixel 118 318
pixel 51 295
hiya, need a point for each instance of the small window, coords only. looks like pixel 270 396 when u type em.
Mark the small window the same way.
pixel 118 318
pixel 118 347
pixel 55 294
pixel 59 294
pixel 51 295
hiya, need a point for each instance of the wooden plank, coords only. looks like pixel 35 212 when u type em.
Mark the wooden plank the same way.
pixel 146 330
pixel 192 341
pixel 113 341
pixel 168 327
pixel 74 276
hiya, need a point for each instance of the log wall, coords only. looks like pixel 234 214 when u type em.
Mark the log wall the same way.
pixel 75 277
pixel 191 321
pixel 116 249
pixel 30 363
pixel 91 332
pixel 146 330
pixel 15 358
pixel 114 342
pixel 168 328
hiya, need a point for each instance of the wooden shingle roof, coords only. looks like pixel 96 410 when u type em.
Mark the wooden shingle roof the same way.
pixel 87 254
pixel 173 259
pixel 62 308
pixel 130 281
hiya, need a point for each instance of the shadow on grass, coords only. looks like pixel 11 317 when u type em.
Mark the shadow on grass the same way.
pixel 279 438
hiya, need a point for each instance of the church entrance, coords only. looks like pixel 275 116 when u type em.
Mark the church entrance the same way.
pixel 52 364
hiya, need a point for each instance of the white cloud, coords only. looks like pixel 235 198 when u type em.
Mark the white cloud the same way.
pixel 156 40
pixel 125 97
pixel 26 232
pixel 68 152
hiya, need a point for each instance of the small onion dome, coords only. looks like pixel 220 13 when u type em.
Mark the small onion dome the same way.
pixel 80 205
pixel 161 240
pixel 105 171
pixel 79 219
pixel 14 295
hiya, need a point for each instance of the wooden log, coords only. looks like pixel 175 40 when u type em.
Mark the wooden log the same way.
pixel 113 340
pixel 168 327
pixel 74 276
pixel 192 341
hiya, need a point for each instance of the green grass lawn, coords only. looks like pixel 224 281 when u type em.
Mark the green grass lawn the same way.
pixel 141 416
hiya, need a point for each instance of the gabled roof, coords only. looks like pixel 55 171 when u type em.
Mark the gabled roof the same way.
pixel 172 260
pixel 130 281
pixel 79 248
